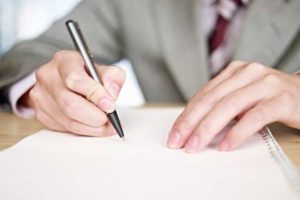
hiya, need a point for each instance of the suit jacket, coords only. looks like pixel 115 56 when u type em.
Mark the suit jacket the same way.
pixel 164 41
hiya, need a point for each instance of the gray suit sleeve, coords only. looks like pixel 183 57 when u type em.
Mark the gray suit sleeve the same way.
pixel 99 23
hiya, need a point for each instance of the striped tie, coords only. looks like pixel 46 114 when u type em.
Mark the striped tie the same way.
pixel 226 11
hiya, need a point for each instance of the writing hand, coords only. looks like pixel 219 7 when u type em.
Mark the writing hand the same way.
pixel 66 98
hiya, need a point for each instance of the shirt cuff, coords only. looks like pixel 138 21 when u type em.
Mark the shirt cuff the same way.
pixel 16 91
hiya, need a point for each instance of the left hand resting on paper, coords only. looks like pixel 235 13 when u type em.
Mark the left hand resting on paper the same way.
pixel 253 94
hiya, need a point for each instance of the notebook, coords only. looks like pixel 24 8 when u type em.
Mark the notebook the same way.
pixel 53 165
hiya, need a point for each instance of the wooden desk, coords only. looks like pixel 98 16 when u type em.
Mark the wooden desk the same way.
pixel 13 129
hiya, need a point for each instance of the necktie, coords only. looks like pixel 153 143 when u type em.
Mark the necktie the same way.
pixel 226 11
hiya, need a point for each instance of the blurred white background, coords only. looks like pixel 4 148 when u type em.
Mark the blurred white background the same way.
pixel 26 19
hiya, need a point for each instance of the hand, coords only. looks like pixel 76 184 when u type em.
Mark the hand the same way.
pixel 65 98
pixel 253 94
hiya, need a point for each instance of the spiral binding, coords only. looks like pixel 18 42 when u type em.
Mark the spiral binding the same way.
pixel 285 164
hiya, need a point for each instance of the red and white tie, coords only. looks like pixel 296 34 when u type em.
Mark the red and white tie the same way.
pixel 226 11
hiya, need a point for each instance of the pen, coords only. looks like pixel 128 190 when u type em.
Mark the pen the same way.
pixel 82 48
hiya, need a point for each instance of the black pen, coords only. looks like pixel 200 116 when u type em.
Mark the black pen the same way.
pixel 83 49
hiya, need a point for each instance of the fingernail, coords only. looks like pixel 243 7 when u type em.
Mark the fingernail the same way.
pixel 223 146
pixel 106 105
pixel 174 141
pixel 113 89
pixel 192 144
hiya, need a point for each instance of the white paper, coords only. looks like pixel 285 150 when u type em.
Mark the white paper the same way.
pixel 51 165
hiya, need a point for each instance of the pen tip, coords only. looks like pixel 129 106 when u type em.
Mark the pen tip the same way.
pixel 123 139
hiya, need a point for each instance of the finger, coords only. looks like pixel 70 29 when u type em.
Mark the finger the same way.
pixel 80 113
pixel 48 121
pixel 45 103
pixel 226 109
pixel 186 123
pixel 77 80
pixel 73 126
pixel 240 78
pixel 79 109
pixel 224 74
pixel 255 119
pixel 113 79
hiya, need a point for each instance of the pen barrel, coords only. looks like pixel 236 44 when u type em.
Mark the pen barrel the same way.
pixel 83 49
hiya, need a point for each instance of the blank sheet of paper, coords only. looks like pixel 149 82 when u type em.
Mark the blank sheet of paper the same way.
pixel 52 165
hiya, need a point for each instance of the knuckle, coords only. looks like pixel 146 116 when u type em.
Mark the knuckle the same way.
pixel 39 74
pixel 272 79
pixel 72 79
pixel 65 54
pixel 233 64
pixel 58 55
pixel 208 97
pixel 256 67
pixel 34 94
pixel 72 55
